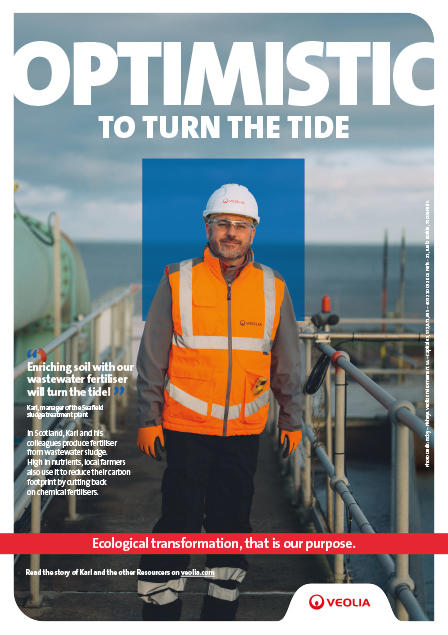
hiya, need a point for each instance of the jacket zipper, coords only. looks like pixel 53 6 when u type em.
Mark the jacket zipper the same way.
pixel 229 348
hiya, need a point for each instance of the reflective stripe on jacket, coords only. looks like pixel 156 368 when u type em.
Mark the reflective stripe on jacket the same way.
pixel 155 348
pixel 219 365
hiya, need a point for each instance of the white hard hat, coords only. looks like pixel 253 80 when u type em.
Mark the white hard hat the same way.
pixel 232 199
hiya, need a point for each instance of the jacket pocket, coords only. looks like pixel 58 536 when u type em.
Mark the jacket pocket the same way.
pixel 256 397
pixel 189 394
pixel 204 296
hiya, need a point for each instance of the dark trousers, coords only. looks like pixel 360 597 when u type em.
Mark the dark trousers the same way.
pixel 208 482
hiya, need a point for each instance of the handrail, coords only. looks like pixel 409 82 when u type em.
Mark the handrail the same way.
pixel 22 368
pixel 76 328
pixel 399 590
pixel 397 409
pixel 374 337
pixel 397 320
pixel 402 416
pixel 118 346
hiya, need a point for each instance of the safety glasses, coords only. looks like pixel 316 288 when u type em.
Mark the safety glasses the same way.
pixel 224 224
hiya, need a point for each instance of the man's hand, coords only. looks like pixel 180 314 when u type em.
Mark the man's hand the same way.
pixel 150 440
pixel 289 440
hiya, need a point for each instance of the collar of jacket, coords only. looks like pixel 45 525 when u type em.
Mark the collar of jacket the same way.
pixel 214 264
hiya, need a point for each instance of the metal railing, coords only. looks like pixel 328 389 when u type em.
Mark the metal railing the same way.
pixel 395 320
pixel 402 416
pixel 398 337
pixel 109 329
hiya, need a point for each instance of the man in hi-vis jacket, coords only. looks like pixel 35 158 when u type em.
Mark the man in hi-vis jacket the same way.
pixel 220 332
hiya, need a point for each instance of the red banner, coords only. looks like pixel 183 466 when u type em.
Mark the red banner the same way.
pixel 352 543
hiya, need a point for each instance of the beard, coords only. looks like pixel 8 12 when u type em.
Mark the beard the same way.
pixel 229 248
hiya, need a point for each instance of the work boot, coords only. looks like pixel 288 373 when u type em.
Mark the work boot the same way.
pixel 162 612
pixel 215 610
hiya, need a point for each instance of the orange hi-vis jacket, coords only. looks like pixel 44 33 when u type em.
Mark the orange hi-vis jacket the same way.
pixel 217 381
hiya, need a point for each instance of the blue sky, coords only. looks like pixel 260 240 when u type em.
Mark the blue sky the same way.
pixel 174 214
pixel 356 188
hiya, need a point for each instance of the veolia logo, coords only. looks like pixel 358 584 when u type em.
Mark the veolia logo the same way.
pixel 316 602
pixel 233 200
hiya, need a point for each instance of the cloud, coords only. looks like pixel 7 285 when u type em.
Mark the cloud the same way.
pixel 100 218
pixel 354 197
pixel 350 197
pixel 371 171
pixel 380 176
pixel 42 198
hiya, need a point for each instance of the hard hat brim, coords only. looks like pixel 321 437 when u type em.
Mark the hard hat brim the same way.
pixel 206 213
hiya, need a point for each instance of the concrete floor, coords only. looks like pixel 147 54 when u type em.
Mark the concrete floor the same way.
pixel 132 504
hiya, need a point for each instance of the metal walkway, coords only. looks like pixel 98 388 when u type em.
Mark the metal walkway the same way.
pixel 132 504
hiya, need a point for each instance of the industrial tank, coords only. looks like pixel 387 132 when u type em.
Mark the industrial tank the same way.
pixel 34 292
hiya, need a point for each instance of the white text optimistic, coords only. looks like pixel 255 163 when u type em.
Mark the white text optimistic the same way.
pixel 95 64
